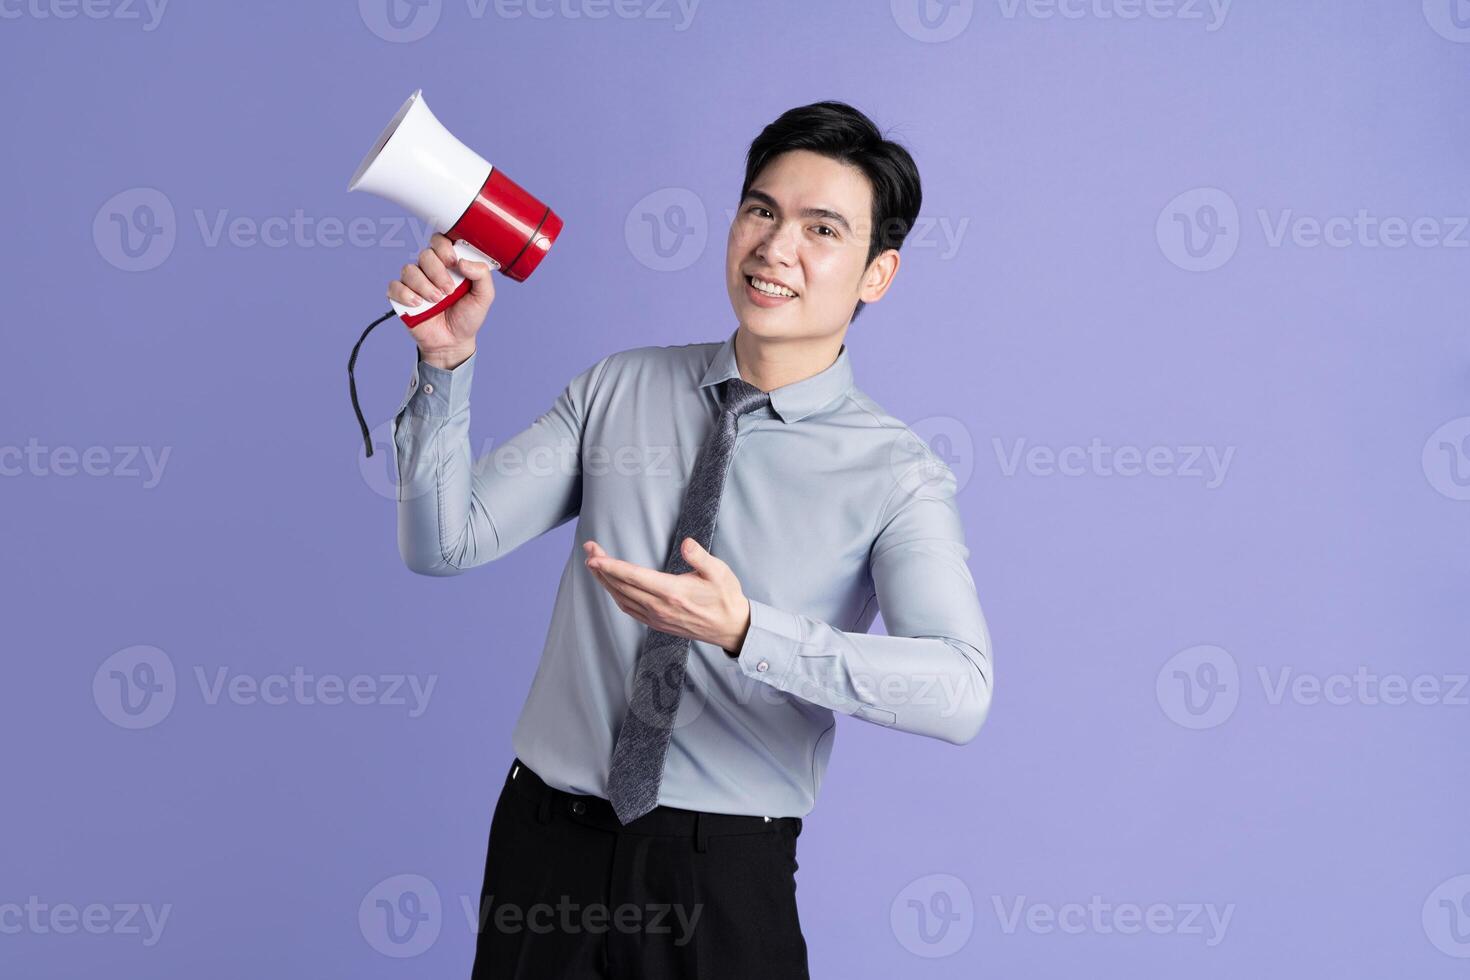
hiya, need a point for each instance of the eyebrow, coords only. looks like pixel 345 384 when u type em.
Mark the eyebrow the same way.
pixel 827 213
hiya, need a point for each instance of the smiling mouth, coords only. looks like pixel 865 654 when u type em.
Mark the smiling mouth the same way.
pixel 750 281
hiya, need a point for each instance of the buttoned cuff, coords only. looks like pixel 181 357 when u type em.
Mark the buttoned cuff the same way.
pixel 770 644
pixel 435 393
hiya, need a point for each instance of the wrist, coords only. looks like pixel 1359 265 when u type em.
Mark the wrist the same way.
pixel 737 640
pixel 449 359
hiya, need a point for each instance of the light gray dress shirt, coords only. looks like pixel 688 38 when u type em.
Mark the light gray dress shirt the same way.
pixel 833 510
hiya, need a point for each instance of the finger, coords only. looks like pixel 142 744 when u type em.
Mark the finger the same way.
pixel 647 600
pixel 627 605
pixel 413 277
pixel 617 588
pixel 644 578
pixel 400 293
pixel 433 267
pixel 444 249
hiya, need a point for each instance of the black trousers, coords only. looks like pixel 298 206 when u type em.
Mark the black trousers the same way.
pixel 571 893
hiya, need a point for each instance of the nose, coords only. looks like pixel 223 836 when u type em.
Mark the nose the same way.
pixel 778 246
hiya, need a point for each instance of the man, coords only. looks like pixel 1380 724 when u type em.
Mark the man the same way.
pixel 682 715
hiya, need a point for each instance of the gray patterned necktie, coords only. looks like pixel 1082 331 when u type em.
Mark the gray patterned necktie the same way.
pixel 643 740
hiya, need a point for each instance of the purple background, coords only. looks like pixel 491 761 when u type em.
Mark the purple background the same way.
pixel 1063 309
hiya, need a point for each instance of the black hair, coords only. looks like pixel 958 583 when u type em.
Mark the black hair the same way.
pixel 838 131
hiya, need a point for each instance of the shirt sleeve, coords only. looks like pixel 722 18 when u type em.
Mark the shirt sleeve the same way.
pixel 932 674
pixel 455 511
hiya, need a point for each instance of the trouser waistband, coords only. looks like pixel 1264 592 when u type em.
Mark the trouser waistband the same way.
pixel 665 821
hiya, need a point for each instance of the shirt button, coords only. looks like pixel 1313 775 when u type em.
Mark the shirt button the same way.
pixel 428 389
pixel 578 807
pixel 763 665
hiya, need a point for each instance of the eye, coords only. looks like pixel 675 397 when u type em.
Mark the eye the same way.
pixel 755 207
pixel 830 229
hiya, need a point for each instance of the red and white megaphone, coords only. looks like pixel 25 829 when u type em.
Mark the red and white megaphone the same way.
pixel 419 165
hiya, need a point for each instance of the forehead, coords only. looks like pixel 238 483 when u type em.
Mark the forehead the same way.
pixel 802 179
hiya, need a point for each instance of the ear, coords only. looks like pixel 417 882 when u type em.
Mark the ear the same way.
pixel 879 276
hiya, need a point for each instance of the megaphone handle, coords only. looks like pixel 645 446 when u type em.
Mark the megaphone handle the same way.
pixel 412 316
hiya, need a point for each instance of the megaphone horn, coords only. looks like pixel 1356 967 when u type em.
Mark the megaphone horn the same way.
pixel 419 165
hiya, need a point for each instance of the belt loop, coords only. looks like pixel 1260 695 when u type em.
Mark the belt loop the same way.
pixel 701 833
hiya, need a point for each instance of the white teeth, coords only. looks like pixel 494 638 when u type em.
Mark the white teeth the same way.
pixel 770 288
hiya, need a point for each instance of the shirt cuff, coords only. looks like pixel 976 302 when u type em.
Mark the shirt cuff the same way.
pixel 770 644
pixel 434 393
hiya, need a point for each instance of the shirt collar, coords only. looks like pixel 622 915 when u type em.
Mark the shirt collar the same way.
pixel 793 401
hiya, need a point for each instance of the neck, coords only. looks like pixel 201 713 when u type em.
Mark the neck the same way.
pixel 770 363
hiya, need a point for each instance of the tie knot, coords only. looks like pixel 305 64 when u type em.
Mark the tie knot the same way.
pixel 740 396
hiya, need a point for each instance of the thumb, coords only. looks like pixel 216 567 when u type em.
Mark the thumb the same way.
pixel 699 559
pixel 478 273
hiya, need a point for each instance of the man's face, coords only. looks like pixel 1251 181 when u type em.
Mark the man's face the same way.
pixel 805 224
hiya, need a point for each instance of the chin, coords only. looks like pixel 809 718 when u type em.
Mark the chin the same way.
pixel 755 322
